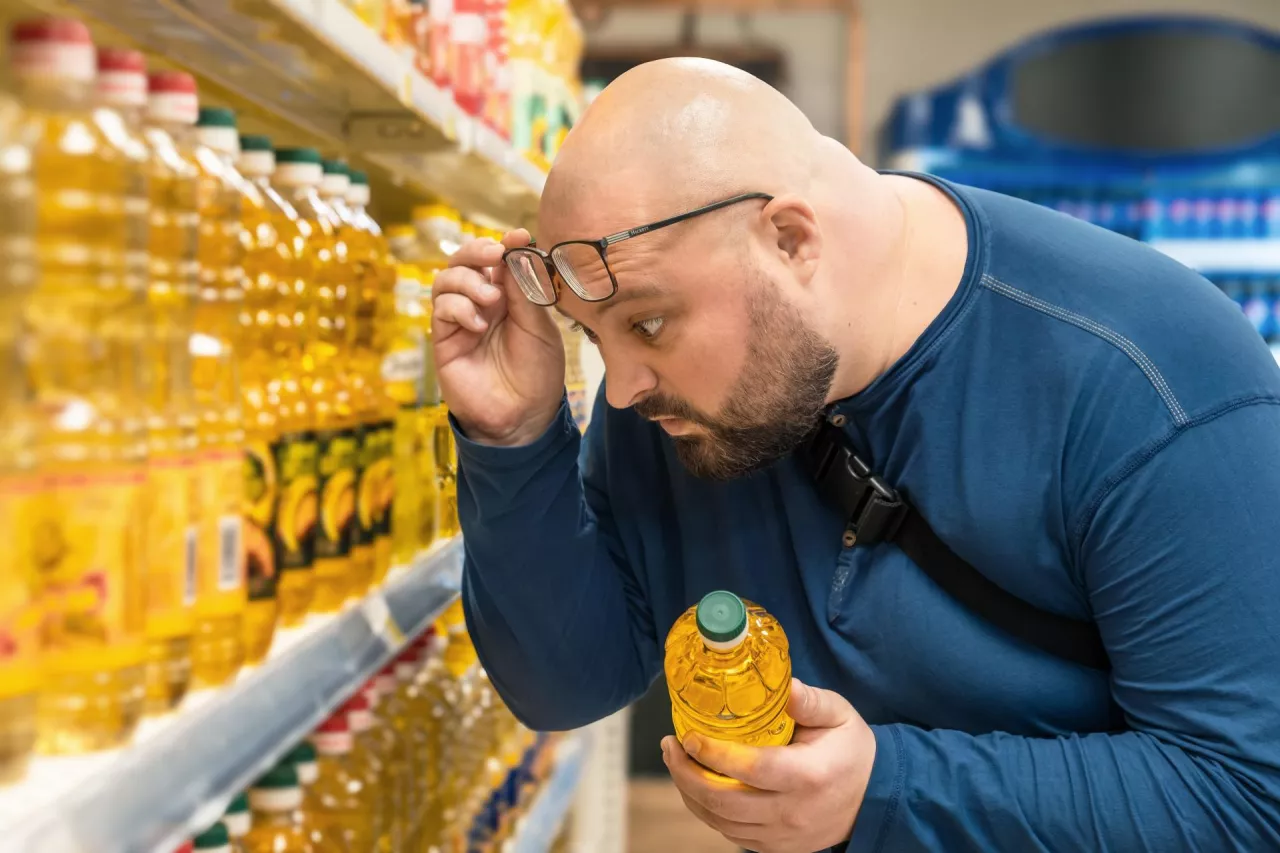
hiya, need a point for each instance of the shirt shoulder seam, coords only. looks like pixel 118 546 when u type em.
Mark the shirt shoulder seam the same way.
pixel 1150 451
pixel 1117 340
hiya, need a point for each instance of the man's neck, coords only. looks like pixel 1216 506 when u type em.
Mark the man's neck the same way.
pixel 916 281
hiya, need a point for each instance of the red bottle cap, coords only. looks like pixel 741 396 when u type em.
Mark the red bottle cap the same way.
pixel 121 59
pixel 336 723
pixel 358 702
pixel 166 81
pixel 65 30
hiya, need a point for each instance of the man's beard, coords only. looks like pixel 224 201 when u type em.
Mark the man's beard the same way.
pixel 773 406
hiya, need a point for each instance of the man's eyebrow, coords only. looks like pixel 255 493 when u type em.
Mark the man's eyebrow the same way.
pixel 630 294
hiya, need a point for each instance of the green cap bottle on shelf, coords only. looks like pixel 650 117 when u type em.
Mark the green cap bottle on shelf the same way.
pixel 215 839
pixel 237 818
pixel 216 129
pixel 302 759
pixel 336 180
pixel 359 177
pixel 277 791
pixel 257 157
pixel 358 193
pixel 336 167
pixel 298 167
pixel 722 620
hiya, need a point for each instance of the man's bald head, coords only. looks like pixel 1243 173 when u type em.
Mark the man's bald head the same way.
pixel 674 134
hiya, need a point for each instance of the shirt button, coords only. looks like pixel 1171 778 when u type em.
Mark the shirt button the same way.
pixel 839 420
pixel 849 539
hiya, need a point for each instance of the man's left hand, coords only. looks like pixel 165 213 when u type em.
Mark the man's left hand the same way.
pixel 798 798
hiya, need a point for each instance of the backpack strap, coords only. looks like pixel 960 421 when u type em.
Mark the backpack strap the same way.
pixel 876 512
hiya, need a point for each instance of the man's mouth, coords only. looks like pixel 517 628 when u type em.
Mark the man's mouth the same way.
pixel 675 426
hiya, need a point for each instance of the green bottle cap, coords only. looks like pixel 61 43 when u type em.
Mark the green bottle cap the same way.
pixel 336 167
pixel 213 838
pixel 240 804
pixel 283 775
pixel 722 617
pixel 300 754
pixel 359 177
pixel 255 142
pixel 297 155
pixel 216 117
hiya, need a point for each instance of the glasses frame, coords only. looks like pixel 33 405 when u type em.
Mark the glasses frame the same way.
pixel 602 249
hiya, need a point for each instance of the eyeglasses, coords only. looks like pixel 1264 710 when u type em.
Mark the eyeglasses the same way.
pixel 584 264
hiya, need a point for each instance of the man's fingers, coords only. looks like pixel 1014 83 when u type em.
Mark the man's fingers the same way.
pixel 743 834
pixel 814 708
pixel 758 766
pixel 467 282
pixel 516 239
pixel 456 309
pixel 727 797
pixel 478 254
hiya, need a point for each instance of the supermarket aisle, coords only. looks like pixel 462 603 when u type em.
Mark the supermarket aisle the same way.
pixel 658 820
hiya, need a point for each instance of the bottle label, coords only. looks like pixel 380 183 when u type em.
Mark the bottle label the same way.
pixel 86 555
pixel 294 533
pixel 377 484
pixel 258 518
pixel 368 485
pixel 20 615
pixel 170 546
pixel 338 451
pixel 220 573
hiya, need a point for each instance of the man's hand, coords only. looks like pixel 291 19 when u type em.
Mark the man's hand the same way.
pixel 499 357
pixel 798 798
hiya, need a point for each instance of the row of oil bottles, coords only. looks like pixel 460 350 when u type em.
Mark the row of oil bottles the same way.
pixel 217 407
pixel 424 758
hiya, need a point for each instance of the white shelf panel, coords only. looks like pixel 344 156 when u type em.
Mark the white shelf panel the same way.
pixel 539 827
pixel 313 71
pixel 182 770
pixel 1224 256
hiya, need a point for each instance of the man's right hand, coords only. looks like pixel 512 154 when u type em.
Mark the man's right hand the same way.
pixel 499 357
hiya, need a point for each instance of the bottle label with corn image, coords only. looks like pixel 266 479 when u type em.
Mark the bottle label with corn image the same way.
pixel 170 573
pixel 337 454
pixel 20 614
pixel 86 552
pixel 258 518
pixel 294 533
pixel 221 582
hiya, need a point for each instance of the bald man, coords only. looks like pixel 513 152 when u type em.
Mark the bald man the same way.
pixel 1091 428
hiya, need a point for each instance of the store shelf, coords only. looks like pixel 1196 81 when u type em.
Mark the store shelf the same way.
pixel 1224 256
pixel 313 71
pixel 182 770
pixel 539 827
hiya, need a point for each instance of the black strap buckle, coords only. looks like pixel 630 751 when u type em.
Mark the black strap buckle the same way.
pixel 874 509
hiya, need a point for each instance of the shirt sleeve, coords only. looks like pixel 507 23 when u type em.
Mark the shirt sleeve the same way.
pixel 1180 559
pixel 560 624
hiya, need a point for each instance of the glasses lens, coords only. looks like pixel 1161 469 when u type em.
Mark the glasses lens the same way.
pixel 583 269
pixel 531 274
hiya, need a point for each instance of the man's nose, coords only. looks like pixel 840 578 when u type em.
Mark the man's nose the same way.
pixel 626 382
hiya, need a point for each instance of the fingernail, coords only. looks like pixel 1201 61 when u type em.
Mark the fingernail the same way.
pixel 488 291
pixel 692 745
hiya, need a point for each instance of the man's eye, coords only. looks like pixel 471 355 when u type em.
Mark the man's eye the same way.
pixel 587 333
pixel 648 329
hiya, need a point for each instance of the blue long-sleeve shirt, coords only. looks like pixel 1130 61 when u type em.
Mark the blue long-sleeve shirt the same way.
pixel 1093 426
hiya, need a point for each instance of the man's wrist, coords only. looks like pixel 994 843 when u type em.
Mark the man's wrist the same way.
pixel 525 433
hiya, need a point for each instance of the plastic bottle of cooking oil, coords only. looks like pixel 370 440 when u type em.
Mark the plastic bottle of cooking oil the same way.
pixel 303 759
pixel 19 615
pixel 352 519
pixel 340 801
pixel 215 839
pixel 280 825
pixel 400 710
pixel 440 233
pixel 375 410
pixel 404 374
pixel 237 819
pixel 438 711
pixel 728 671
pixel 224 195
pixel 169 491
pixel 85 521
pixel 370 763
pixel 458 703
pixel 297 174
pixel 273 265
pixel 334 425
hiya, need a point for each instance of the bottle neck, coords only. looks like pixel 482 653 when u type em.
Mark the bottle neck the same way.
pixel 51 93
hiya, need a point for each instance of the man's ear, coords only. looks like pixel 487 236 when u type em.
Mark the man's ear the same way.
pixel 792 227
